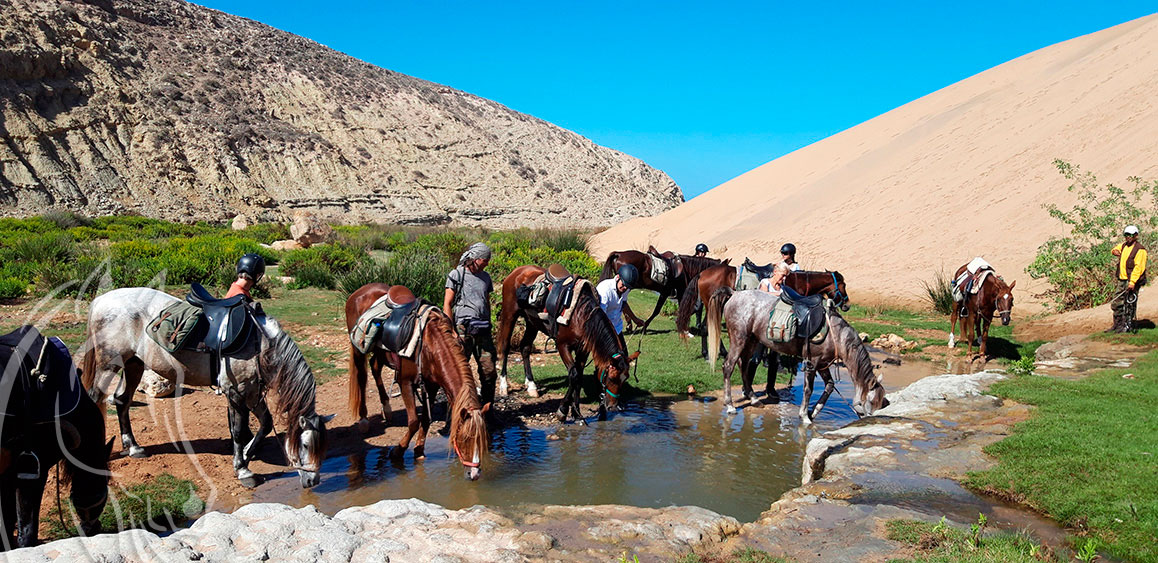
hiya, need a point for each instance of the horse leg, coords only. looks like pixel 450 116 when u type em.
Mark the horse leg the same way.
pixel 829 386
pixel 133 370
pixel 407 387
pixel 240 436
pixel 572 393
pixel 377 362
pixel 264 425
pixel 773 368
pixel 8 512
pixel 735 356
pixel 953 326
pixel 985 322
pixel 663 295
pixel 28 495
pixel 526 346
pixel 752 352
pixel 809 380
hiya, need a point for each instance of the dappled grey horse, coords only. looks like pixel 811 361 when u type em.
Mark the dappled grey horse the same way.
pixel 118 351
pixel 748 314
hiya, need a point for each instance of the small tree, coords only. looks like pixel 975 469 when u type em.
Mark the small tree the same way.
pixel 1079 267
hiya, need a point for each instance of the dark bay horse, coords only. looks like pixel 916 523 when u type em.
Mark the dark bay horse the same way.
pixel 41 426
pixel 589 332
pixel 747 314
pixel 830 284
pixel 688 267
pixel 444 366
pixel 994 298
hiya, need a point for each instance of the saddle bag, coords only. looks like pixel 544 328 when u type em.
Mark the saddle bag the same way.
pixel 783 324
pixel 178 325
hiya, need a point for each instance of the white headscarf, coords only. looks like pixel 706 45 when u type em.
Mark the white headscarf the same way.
pixel 477 251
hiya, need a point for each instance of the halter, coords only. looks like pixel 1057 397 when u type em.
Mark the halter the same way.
pixel 460 458
pixel 838 296
pixel 603 378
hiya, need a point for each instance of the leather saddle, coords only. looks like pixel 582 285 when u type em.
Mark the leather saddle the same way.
pixel 760 271
pixel 399 326
pixel 675 266
pixel 559 295
pixel 230 321
pixel 44 382
pixel 809 311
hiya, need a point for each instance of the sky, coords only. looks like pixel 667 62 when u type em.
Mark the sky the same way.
pixel 704 91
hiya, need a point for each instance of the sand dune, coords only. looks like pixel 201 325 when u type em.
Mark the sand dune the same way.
pixel 963 171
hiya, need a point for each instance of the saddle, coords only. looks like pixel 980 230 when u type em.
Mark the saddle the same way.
pixel 809 311
pixel 230 321
pixel 666 266
pixel 399 326
pixel 559 296
pixel 760 271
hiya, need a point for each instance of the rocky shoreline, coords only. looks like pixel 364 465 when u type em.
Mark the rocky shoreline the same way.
pixel 902 463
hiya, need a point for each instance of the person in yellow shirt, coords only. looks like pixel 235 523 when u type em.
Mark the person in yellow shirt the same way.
pixel 1131 276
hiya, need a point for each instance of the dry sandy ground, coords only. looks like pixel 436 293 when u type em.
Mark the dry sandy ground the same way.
pixel 961 172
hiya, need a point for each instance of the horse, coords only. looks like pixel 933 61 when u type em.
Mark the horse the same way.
pixel 47 419
pixel 588 332
pixel 830 284
pixel 747 314
pixel 444 365
pixel 118 351
pixel 993 298
pixel 686 268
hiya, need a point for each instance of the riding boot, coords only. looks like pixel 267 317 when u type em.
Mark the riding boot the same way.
pixel 1117 325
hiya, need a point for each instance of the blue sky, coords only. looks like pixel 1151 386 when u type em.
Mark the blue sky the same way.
pixel 703 91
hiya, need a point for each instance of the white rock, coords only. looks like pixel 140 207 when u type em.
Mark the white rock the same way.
pixel 240 223
pixel 156 386
pixel 285 245
pixel 307 229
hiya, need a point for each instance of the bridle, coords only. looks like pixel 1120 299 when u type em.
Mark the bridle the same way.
pixel 838 297
pixel 606 372
pixel 461 459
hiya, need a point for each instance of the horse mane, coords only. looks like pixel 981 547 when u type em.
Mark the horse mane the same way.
pixel 600 340
pixel 294 383
pixel 693 265
pixel 449 349
pixel 86 466
pixel 687 306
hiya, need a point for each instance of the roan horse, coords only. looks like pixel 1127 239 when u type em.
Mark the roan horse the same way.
pixel 994 298
pixel 588 332
pixel 443 365
pixel 118 351
pixel 43 424
pixel 677 282
pixel 747 314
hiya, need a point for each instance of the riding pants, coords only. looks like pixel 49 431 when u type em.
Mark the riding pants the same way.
pixel 480 345
pixel 1118 305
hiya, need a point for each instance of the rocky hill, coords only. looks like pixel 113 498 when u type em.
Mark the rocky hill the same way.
pixel 172 110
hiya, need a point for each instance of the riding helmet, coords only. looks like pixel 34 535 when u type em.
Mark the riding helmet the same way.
pixel 252 264
pixel 628 275
pixel 701 247
pixel 789 249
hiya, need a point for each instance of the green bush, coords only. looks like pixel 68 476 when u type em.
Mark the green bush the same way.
pixel 421 270
pixel 939 293
pixel 266 233
pixel 1079 267
pixel 312 274
pixel 12 288
pixel 337 259
pixel 365 273
pixel 449 245
pixel 47 247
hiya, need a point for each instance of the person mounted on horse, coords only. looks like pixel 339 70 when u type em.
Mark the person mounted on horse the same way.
pixel 467 299
pixel 788 257
pixel 1131 276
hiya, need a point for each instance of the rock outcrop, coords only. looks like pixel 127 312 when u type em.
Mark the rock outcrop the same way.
pixel 172 110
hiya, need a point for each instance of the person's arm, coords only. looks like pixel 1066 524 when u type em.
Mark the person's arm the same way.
pixel 448 297
pixel 1117 251
pixel 1139 267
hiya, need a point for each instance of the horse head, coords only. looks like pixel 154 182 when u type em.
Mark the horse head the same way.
pixel 310 448
pixel 612 376
pixel 290 376
pixel 869 395
pixel 443 351
pixel 839 294
pixel 468 432
pixel 1004 301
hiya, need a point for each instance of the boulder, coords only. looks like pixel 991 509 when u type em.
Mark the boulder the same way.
pixel 286 245
pixel 307 229
pixel 240 223
pixel 1059 349
pixel 893 342
pixel 156 386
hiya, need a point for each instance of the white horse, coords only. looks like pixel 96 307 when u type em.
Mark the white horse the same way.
pixel 118 351
pixel 748 315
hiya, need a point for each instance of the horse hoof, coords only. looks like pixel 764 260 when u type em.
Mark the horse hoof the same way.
pixel 396 452
pixel 364 425
pixel 731 409
pixel 561 416
pixel 137 452
pixel 250 482
pixel 532 390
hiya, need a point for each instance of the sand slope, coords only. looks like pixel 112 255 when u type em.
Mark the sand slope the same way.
pixel 963 171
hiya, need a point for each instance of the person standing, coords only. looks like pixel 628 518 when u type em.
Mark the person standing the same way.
pixel 1131 275
pixel 613 295
pixel 467 301
pixel 788 257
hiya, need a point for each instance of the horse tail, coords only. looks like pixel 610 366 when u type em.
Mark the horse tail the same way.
pixel 609 267
pixel 687 307
pixel 357 371
pixel 88 365
pixel 715 309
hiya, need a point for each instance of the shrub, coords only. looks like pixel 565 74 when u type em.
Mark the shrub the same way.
pixel 267 233
pixel 1079 267
pixel 421 270
pixel 337 259
pixel 47 247
pixel 312 274
pixel 12 288
pixel 939 293
pixel 364 273
pixel 66 219
pixel 448 245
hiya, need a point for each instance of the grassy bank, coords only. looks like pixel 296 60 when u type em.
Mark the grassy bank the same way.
pixel 160 504
pixel 1087 458
pixel 936 543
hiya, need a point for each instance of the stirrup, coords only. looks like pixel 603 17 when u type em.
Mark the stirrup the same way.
pixel 24 475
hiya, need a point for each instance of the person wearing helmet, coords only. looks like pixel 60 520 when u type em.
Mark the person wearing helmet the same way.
pixel 1131 275
pixel 250 268
pixel 788 256
pixel 701 250
pixel 613 295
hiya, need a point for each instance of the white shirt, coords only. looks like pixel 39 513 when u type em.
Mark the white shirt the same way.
pixel 612 302
pixel 793 267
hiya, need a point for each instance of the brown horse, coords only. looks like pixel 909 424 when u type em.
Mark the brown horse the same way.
pixel 994 298
pixel 588 332
pixel 724 275
pixel 444 365
pixel 687 267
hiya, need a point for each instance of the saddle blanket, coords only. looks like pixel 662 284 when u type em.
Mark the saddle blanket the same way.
pixel 746 279
pixel 783 325
pixel 39 379
pixel 581 284
pixel 963 285
pixel 368 329
pixel 659 270
pixel 977 264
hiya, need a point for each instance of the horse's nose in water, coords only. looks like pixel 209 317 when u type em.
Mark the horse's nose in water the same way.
pixel 309 478
pixel 473 473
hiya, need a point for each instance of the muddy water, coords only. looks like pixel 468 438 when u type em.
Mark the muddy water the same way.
pixel 659 452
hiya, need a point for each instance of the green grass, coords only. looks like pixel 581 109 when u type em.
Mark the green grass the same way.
pixel 318 311
pixel 741 555
pixel 157 504
pixel 1088 456
pixel 1147 338
pixel 942 543
pixel 877 321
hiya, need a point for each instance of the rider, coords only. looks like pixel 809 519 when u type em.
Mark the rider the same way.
pixel 1131 275
pixel 788 256
pixel 250 268
pixel 613 296
pixel 772 283
pixel 468 288
pixel 701 250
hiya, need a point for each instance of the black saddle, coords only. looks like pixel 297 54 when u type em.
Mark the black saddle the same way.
pixel 38 375
pixel 760 271
pixel 398 328
pixel 230 321
pixel 559 295
pixel 809 311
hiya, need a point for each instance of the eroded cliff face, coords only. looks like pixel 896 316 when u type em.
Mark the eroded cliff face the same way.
pixel 173 110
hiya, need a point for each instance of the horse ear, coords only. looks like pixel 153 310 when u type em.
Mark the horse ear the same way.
pixel 303 423
pixel 1012 284
pixel 486 408
pixel 326 419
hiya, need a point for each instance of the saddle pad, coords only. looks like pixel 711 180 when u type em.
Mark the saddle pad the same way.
pixel 580 286
pixel 659 270
pixel 367 331
pixel 976 264
pixel 176 326
pixel 57 389
pixel 424 312
pixel 746 279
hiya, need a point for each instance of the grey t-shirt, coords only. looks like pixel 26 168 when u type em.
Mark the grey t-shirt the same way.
pixel 471 294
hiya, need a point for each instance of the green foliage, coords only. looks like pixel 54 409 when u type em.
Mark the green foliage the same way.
pixel 312 274
pixel 158 504
pixel 266 233
pixel 939 293
pixel 943 543
pixel 12 288
pixel 1022 366
pixel 1079 267
pixel 421 270
pixel 321 265
pixel 1088 551
pixel 365 273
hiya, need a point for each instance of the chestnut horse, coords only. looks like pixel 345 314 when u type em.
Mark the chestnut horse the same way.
pixel 443 364
pixel 805 283
pixel 994 298
pixel 677 281
pixel 588 332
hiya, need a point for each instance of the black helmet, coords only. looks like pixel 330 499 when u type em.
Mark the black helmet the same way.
pixel 252 264
pixel 701 247
pixel 789 249
pixel 628 275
